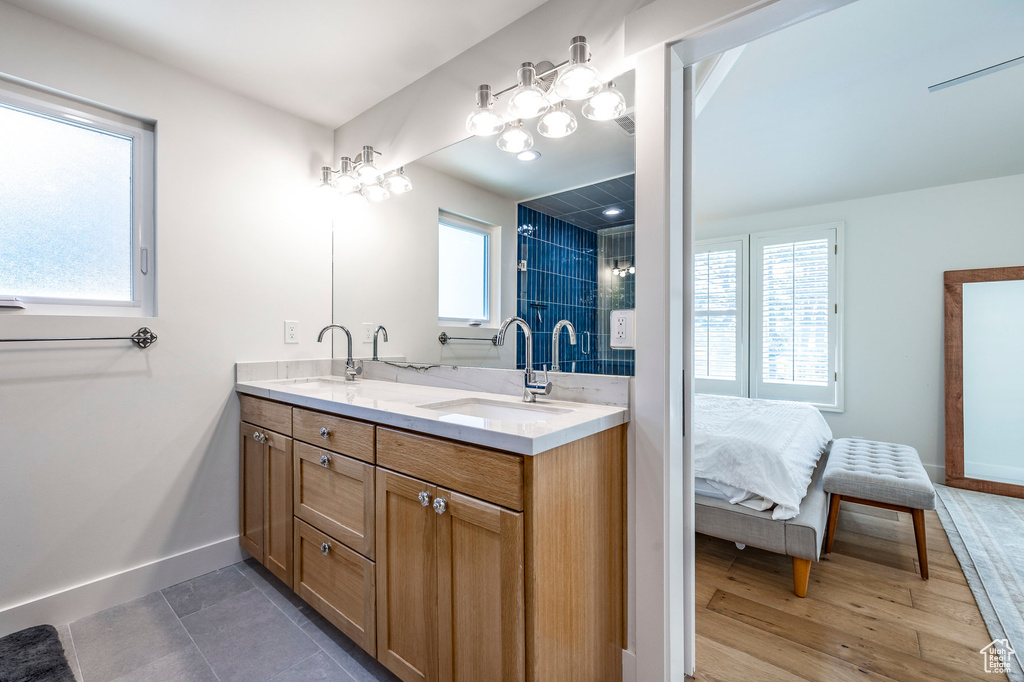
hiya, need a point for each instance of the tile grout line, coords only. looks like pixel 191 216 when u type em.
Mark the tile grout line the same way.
pixel 74 650
pixel 215 675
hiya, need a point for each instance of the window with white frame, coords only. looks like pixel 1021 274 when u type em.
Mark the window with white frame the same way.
pixel 465 255
pixel 720 317
pixel 76 206
pixel 794 316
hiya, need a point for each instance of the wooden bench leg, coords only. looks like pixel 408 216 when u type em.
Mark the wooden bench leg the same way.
pixel 922 545
pixel 833 518
pixel 801 576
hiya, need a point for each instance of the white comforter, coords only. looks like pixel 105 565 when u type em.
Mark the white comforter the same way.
pixel 758 449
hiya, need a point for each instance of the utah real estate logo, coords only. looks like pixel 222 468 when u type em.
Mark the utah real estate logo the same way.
pixel 997 656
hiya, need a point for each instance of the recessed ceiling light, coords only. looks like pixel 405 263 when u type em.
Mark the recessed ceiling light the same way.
pixel 528 155
pixel 613 211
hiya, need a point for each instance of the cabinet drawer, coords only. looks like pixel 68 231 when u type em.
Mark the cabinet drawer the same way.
pixel 334 493
pixel 492 476
pixel 348 437
pixel 272 416
pixel 338 583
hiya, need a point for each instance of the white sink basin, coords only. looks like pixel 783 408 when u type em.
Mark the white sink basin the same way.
pixel 475 410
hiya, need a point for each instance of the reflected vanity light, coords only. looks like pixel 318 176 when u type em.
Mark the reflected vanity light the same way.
pixel 542 90
pixel 622 271
pixel 357 180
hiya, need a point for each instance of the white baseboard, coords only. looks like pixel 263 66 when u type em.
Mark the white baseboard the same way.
pixel 628 666
pixel 936 472
pixel 72 603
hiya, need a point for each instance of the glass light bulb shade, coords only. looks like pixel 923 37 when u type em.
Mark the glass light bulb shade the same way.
pixel 375 192
pixel 558 122
pixel 397 183
pixel 326 188
pixel 515 139
pixel 485 121
pixel 367 172
pixel 632 270
pixel 346 182
pixel 578 81
pixel 622 273
pixel 527 101
pixel 607 104
pixel 351 200
pixel 615 271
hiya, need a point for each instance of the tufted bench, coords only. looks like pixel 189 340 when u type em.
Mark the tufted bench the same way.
pixel 884 475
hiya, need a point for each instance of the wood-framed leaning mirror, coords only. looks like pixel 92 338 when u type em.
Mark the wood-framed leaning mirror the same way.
pixel 985 380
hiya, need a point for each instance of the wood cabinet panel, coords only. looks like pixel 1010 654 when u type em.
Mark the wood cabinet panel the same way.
pixel 278 513
pixel 251 474
pixel 336 497
pixel 486 474
pixel 346 436
pixel 406 578
pixel 264 413
pixel 338 583
pixel 480 592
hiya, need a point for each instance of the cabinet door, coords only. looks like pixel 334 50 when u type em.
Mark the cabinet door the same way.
pixel 480 593
pixel 406 577
pixel 251 480
pixel 337 582
pixel 278 512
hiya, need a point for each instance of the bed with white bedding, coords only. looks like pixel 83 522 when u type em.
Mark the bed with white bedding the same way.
pixel 757 465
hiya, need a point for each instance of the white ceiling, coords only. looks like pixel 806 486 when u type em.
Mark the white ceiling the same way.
pixel 838 107
pixel 323 60
pixel 597 151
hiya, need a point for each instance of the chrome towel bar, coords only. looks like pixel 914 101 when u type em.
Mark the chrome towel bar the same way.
pixel 143 338
pixel 444 338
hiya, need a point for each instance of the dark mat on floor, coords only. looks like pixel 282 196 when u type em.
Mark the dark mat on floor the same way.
pixel 34 655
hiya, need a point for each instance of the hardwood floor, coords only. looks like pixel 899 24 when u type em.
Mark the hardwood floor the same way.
pixel 867 614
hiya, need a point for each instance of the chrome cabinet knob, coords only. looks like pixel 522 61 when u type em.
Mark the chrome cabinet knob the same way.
pixel 325 433
pixel 325 548
pixel 259 437
pixel 440 505
pixel 425 498
pixel 325 460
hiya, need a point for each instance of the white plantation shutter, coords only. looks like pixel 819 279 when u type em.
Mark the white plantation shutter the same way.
pixel 795 316
pixel 720 317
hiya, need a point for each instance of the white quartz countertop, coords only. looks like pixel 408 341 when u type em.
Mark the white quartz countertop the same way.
pixel 502 422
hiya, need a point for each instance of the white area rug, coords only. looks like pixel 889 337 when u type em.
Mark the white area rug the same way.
pixel 987 534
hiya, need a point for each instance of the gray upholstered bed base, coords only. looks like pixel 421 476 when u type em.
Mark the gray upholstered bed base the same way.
pixel 800 537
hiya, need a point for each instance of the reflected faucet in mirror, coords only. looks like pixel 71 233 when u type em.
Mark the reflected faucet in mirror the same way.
pixel 531 387
pixel 380 328
pixel 351 371
pixel 555 367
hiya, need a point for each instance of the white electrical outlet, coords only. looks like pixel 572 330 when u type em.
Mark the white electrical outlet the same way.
pixel 291 331
pixel 368 328
pixel 623 323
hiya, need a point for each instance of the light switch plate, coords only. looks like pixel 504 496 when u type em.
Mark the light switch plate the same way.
pixel 291 331
pixel 623 324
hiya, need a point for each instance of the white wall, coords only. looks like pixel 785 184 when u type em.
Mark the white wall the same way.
pixel 385 272
pixel 111 457
pixel 897 247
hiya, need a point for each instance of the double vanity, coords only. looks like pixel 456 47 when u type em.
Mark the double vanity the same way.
pixel 452 534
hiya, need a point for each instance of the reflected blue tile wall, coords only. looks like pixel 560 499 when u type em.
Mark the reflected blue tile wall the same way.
pixel 560 282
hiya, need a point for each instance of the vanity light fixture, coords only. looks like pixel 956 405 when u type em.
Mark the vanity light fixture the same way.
pixel 541 90
pixel 623 271
pixel 358 180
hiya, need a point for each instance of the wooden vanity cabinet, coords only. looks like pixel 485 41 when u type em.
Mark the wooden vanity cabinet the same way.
pixel 265 485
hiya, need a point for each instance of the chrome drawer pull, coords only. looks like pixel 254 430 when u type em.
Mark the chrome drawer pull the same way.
pixel 325 460
pixel 425 498
pixel 325 548
pixel 325 433
pixel 440 505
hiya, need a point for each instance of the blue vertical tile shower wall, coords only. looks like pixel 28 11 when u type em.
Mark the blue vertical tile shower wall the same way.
pixel 560 282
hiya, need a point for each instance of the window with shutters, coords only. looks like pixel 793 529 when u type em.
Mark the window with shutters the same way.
pixel 720 317
pixel 794 317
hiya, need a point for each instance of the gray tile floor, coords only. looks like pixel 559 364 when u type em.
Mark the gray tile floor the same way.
pixel 236 624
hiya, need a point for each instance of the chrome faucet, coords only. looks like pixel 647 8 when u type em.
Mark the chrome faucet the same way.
pixel 351 371
pixel 554 342
pixel 380 328
pixel 531 387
